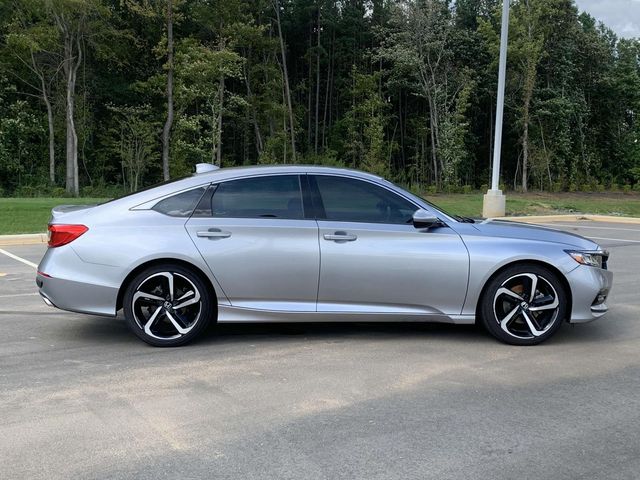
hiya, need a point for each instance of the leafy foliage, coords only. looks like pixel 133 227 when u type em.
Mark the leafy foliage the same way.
pixel 401 88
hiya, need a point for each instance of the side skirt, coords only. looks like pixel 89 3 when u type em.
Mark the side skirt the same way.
pixel 229 314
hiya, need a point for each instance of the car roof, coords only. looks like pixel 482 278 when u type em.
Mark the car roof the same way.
pixel 231 172
pixel 140 199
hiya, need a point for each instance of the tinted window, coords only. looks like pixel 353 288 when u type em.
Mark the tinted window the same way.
pixel 350 200
pixel 275 196
pixel 180 205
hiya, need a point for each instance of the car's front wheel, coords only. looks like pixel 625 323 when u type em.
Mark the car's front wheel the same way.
pixel 524 304
pixel 168 305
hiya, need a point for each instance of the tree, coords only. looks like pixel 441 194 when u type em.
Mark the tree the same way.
pixel 527 41
pixel 166 130
pixel 365 124
pixel 31 41
pixel 419 46
pixel 77 21
pixel 285 74
pixel 132 139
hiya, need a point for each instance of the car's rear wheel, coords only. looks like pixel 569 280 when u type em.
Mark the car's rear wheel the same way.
pixel 524 304
pixel 168 305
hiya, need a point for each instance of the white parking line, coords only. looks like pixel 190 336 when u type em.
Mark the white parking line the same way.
pixel 19 295
pixel 15 257
pixel 625 240
pixel 637 230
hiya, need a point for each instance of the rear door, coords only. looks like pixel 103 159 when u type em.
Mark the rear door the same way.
pixel 253 234
pixel 373 260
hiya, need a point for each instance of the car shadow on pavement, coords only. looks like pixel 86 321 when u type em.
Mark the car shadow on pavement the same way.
pixel 343 330
pixel 115 330
pixel 109 330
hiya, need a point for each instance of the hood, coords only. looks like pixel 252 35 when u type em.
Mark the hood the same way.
pixel 525 231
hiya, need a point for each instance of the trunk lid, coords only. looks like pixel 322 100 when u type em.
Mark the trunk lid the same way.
pixel 64 213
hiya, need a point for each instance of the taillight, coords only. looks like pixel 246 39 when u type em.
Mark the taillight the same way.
pixel 62 234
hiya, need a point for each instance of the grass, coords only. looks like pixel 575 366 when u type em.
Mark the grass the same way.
pixel 613 203
pixel 30 215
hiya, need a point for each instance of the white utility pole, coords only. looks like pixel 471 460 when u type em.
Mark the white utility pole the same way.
pixel 493 204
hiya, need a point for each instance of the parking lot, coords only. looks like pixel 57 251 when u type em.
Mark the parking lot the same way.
pixel 81 397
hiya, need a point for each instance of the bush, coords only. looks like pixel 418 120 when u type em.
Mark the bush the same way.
pixel 467 189
pixel 431 190
pixel 58 192
pixel 25 191
pixel 102 191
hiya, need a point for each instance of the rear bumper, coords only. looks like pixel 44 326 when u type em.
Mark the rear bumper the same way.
pixel 77 296
pixel 66 282
pixel 587 284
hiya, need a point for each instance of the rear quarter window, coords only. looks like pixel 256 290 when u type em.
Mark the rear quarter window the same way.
pixel 181 204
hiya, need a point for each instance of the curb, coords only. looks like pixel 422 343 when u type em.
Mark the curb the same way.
pixel 572 218
pixel 23 239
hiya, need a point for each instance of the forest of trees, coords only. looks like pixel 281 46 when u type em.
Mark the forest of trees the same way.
pixel 104 96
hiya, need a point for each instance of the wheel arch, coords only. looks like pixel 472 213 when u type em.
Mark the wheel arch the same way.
pixel 554 269
pixel 157 261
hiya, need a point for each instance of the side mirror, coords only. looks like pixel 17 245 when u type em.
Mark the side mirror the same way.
pixel 425 219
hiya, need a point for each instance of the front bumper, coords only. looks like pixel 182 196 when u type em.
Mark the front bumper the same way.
pixel 587 284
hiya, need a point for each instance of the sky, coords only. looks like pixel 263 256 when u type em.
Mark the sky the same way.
pixel 622 16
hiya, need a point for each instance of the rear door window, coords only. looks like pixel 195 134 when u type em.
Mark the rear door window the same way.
pixel 274 196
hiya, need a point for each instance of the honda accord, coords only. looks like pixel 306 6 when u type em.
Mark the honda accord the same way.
pixel 311 244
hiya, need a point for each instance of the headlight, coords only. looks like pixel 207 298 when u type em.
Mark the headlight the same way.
pixel 592 259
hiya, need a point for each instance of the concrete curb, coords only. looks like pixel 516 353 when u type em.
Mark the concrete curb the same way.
pixel 573 218
pixel 35 238
pixel 23 239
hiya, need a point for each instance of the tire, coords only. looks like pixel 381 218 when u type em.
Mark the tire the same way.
pixel 168 305
pixel 524 304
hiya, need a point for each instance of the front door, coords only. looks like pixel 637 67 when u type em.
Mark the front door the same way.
pixel 373 260
pixel 254 237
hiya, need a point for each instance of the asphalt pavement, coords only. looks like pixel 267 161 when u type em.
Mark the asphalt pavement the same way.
pixel 81 397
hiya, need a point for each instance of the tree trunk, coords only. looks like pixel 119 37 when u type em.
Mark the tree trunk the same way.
pixel 71 68
pixel 309 87
pixel 327 94
pixel 219 132
pixel 527 94
pixel 286 80
pixel 525 151
pixel 317 81
pixel 401 128
pixel 254 117
pixel 434 154
pixel 52 143
pixel 166 131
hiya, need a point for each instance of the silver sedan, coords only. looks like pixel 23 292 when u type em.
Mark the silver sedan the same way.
pixel 310 244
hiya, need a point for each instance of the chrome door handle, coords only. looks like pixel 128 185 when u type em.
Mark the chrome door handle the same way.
pixel 213 233
pixel 340 237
